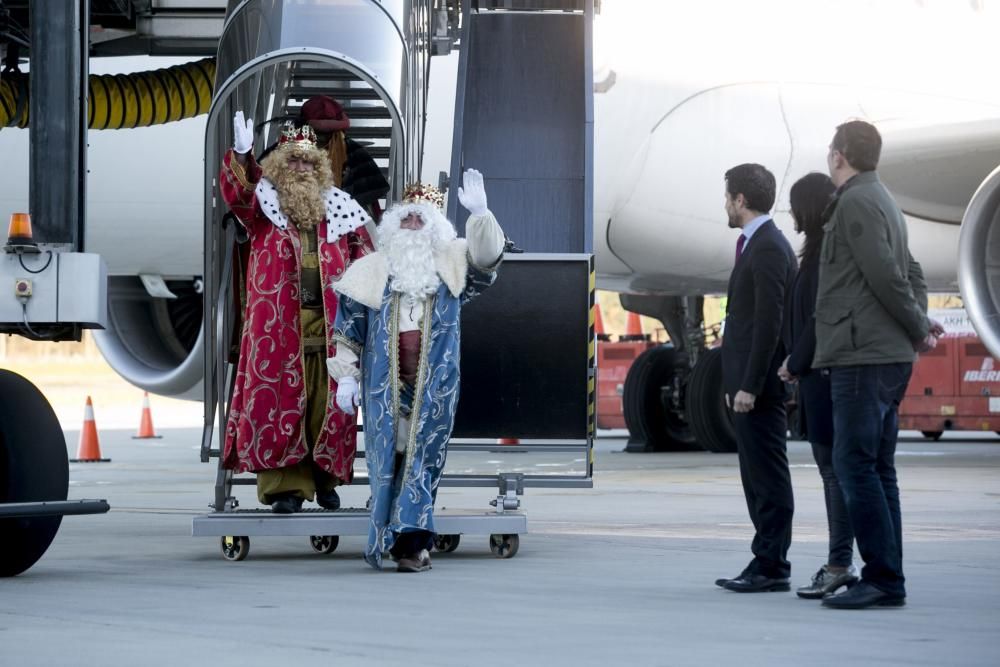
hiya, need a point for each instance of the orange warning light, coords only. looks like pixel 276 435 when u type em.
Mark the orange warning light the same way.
pixel 19 235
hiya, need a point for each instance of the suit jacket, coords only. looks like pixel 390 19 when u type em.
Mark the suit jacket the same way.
pixel 752 350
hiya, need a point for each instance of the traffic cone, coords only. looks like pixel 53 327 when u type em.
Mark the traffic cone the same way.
pixel 89 449
pixel 599 324
pixel 508 441
pixel 146 423
pixel 633 329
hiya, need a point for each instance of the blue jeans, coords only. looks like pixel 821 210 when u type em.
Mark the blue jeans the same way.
pixel 865 424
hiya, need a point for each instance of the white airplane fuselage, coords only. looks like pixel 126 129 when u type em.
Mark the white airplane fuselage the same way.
pixel 727 83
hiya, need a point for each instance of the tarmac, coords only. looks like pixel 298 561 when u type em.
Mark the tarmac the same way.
pixel 619 574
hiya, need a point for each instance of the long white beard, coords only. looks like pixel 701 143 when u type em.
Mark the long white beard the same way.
pixel 410 255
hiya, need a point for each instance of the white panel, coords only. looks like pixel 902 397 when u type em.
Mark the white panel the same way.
pixel 83 289
pixel 42 304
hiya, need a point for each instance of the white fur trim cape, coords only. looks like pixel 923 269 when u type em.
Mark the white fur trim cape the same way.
pixel 343 213
pixel 365 280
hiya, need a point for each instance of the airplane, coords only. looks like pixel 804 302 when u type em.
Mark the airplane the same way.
pixel 682 92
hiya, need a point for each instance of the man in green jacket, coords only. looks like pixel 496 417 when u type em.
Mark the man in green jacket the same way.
pixel 871 318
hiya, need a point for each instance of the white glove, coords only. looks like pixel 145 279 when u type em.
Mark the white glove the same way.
pixel 473 194
pixel 347 394
pixel 242 133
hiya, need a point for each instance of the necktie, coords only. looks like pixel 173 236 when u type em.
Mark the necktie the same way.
pixel 740 242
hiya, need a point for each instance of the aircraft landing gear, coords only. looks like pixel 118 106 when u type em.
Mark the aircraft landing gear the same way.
pixel 710 419
pixel 654 412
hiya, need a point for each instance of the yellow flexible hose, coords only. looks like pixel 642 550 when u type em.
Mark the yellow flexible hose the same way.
pixel 14 100
pixel 123 101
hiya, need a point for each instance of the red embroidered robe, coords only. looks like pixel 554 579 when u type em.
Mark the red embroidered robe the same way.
pixel 266 425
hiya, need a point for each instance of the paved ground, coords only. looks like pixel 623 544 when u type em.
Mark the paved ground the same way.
pixel 621 573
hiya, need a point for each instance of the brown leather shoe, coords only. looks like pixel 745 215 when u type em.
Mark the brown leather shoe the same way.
pixel 418 562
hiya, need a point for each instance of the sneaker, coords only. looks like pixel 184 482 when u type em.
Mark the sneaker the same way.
pixel 418 562
pixel 825 581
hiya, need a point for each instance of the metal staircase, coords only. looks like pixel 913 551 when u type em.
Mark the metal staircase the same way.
pixel 371 122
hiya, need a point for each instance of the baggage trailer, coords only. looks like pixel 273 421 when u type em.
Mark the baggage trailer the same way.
pixel 955 386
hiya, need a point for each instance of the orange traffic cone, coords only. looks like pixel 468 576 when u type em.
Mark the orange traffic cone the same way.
pixel 508 441
pixel 89 449
pixel 633 329
pixel 146 423
pixel 599 324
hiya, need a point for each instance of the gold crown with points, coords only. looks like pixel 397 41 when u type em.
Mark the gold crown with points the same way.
pixel 421 193
pixel 303 136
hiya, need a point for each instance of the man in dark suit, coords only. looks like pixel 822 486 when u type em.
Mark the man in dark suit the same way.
pixel 751 356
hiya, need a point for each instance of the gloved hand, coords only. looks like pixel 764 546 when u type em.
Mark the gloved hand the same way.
pixel 347 394
pixel 473 194
pixel 242 133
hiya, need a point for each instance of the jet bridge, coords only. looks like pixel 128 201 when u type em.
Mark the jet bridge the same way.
pixel 374 58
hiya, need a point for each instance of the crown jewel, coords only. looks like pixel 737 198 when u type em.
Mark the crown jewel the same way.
pixel 421 193
pixel 297 136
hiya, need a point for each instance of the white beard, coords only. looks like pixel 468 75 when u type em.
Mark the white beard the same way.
pixel 410 255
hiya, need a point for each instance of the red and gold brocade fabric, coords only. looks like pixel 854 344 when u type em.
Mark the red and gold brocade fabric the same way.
pixel 265 429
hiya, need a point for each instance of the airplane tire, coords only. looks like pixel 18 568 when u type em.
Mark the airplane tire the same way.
pixel 710 419
pixel 647 418
pixel 34 467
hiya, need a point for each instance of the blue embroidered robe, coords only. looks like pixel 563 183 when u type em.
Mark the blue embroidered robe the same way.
pixel 403 500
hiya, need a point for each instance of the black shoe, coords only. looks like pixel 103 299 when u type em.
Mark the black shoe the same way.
pixel 286 504
pixel 863 595
pixel 418 562
pixel 756 583
pixel 328 500
pixel 721 583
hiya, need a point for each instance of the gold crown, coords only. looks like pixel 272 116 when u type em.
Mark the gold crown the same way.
pixel 421 193
pixel 297 136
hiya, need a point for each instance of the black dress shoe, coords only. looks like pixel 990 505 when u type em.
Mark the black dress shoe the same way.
pixel 756 583
pixel 721 583
pixel 328 500
pixel 863 595
pixel 286 504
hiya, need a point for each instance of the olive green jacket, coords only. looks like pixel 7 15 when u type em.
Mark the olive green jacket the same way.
pixel 871 304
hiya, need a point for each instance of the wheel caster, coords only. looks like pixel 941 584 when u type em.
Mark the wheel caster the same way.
pixel 504 546
pixel 446 543
pixel 235 547
pixel 324 544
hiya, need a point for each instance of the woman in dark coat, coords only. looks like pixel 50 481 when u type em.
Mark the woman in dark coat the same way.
pixel 809 197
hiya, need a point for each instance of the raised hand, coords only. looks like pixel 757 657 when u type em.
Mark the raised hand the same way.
pixel 472 193
pixel 242 133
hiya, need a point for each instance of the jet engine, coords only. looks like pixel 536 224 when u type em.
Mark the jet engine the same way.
pixel 979 261
pixel 155 342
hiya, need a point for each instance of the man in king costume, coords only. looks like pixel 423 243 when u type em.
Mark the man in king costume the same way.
pixel 304 233
pixel 398 333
